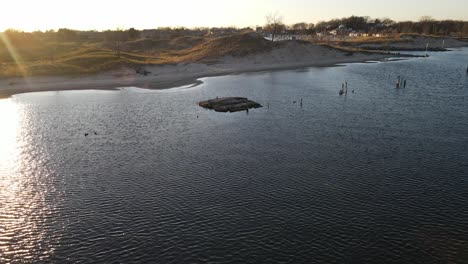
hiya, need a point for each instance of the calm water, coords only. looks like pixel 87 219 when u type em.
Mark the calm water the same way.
pixel 379 176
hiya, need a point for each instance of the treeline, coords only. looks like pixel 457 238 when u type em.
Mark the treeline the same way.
pixel 425 25
pixel 433 27
pixel 357 23
pixel 18 37
pixel 121 35
pixel 64 35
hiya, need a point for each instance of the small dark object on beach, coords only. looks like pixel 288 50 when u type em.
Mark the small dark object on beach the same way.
pixel 86 134
pixel 95 133
pixel 229 104
pixel 142 71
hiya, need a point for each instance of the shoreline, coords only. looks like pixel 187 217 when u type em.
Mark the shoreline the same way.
pixel 172 76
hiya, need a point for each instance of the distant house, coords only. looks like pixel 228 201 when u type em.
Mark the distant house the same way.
pixel 355 34
pixel 340 31
pixel 371 23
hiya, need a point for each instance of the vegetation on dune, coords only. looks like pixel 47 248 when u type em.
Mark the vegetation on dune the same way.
pixel 156 46
pixel 236 45
pixel 31 55
pixel 81 60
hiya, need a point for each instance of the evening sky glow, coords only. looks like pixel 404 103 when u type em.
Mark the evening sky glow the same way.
pixel 30 15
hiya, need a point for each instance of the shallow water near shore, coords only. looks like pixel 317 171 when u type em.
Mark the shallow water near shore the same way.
pixel 377 176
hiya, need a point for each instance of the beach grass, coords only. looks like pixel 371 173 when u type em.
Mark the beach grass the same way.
pixel 78 58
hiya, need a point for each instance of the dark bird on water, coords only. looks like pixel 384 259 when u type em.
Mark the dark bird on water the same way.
pixel 86 134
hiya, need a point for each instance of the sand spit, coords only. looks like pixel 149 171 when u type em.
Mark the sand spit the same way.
pixel 291 55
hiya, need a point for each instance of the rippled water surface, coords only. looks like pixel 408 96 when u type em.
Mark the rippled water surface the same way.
pixel 379 176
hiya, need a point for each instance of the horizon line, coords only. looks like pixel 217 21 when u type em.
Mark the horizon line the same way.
pixel 121 27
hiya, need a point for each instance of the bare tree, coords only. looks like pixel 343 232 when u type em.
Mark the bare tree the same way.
pixel 387 21
pixel 426 19
pixel 427 23
pixel 464 31
pixel 300 28
pixel 274 24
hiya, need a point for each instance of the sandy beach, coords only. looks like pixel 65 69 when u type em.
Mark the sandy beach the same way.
pixel 290 56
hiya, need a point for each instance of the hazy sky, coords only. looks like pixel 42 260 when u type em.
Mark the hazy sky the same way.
pixel 32 15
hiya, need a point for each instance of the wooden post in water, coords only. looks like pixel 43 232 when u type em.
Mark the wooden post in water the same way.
pixel 346 88
pixel 301 102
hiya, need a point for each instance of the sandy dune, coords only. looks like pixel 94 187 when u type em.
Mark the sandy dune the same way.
pixel 291 55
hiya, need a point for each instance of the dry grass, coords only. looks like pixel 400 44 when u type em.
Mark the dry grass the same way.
pixel 362 40
pixel 88 58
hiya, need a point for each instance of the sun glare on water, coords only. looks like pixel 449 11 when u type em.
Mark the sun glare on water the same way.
pixel 9 123
pixel 24 207
pixel 18 208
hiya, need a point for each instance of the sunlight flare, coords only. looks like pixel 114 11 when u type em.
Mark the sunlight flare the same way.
pixel 14 55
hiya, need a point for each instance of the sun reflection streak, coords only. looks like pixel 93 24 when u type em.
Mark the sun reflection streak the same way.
pixel 24 208
pixel 9 122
